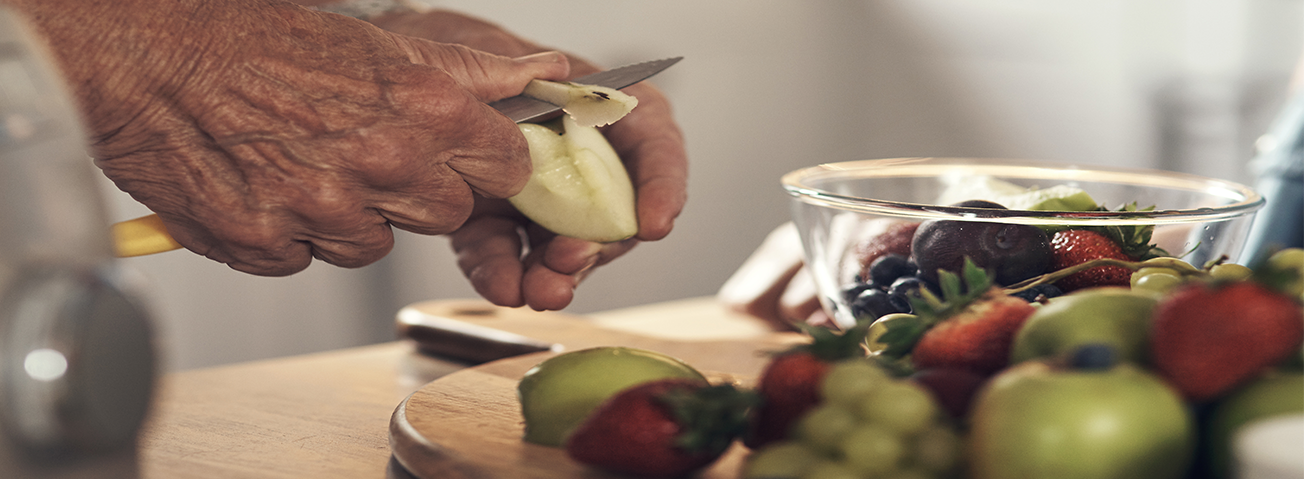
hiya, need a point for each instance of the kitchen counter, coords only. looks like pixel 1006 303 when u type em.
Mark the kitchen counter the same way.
pixel 327 415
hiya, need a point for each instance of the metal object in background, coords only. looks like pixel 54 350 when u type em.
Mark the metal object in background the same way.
pixel 77 365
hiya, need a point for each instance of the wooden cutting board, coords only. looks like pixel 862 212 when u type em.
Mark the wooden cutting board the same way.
pixel 468 424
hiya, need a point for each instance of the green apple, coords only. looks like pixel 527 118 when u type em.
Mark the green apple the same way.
pixel 560 392
pixel 589 105
pixel 1034 420
pixel 1276 394
pixel 579 187
pixel 1114 316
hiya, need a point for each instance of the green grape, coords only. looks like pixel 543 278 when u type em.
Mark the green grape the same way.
pixel 937 449
pixel 783 460
pixel 848 381
pixel 1143 272
pixel 1230 271
pixel 901 406
pixel 826 469
pixel 1290 258
pixel 1157 283
pixel 872 450
pixel 824 427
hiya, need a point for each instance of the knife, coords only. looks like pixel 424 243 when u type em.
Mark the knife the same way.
pixel 523 109
pixel 146 235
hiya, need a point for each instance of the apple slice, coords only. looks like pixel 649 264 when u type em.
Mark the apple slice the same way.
pixel 590 105
pixel 579 187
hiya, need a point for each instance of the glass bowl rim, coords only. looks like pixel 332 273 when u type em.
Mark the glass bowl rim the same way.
pixel 1245 199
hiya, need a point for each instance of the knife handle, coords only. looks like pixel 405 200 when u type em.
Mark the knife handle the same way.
pixel 141 236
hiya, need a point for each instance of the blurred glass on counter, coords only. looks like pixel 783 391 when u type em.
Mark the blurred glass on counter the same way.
pixel 77 363
pixel 1278 166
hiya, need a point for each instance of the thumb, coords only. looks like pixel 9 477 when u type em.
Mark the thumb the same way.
pixel 487 76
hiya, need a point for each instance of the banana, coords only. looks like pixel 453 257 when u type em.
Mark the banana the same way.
pixel 141 236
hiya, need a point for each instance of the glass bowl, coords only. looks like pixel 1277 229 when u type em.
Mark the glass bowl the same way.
pixel 839 207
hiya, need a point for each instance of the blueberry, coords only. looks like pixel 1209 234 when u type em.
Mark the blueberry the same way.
pixel 1031 294
pixel 873 303
pixel 1094 357
pixel 851 292
pixel 889 267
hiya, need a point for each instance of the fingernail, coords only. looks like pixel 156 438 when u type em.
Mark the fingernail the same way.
pixel 542 57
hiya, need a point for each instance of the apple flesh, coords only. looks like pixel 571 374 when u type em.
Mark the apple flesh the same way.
pixel 579 187
pixel 589 105
pixel 1035 421
pixel 559 393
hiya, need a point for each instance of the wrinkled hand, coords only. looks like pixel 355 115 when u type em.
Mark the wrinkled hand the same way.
pixel 265 134
pixel 543 270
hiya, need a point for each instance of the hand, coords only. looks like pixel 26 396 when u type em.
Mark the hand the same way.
pixel 773 284
pixel 543 270
pixel 265 134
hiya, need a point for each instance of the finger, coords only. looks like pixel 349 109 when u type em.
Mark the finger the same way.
pixel 487 76
pixel 652 147
pixel 488 251
pixel 545 289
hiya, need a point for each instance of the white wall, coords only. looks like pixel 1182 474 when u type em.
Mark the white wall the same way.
pixel 770 86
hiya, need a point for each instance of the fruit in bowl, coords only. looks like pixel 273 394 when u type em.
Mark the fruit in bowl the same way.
pixel 1020 219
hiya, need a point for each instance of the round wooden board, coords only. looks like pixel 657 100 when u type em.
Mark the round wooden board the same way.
pixel 468 425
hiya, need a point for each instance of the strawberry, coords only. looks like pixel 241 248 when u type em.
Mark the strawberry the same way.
pixel 894 240
pixel 971 327
pixel 1208 338
pixel 790 384
pixel 1076 246
pixel 667 427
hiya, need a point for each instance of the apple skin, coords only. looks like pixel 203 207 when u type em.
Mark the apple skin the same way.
pixel 1278 393
pixel 1107 315
pixel 1034 421
pixel 559 393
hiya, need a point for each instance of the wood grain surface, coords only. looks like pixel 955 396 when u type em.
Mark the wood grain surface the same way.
pixel 468 424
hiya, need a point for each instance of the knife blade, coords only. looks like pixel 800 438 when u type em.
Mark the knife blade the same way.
pixel 523 109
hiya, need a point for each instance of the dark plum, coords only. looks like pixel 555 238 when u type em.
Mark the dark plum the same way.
pixel 1012 252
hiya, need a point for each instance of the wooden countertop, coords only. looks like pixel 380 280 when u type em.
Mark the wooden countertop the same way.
pixel 327 415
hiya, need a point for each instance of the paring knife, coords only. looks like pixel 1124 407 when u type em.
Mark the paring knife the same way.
pixel 523 109
pixel 146 235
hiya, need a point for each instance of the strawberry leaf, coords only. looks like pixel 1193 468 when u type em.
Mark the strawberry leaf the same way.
pixel 830 345
pixel 958 291
pixel 711 417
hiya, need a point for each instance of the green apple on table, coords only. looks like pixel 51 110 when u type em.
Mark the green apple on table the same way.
pixel 560 392
pixel 1109 315
pixel 1087 421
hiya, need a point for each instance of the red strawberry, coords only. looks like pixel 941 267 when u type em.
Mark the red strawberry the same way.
pixel 790 384
pixel 971 327
pixel 667 427
pixel 976 338
pixel 894 240
pixel 1207 339
pixel 1074 247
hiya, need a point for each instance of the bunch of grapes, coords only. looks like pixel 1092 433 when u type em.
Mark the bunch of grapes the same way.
pixel 1167 275
pixel 869 425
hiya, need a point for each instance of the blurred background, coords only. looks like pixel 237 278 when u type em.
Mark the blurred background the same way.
pixel 769 86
